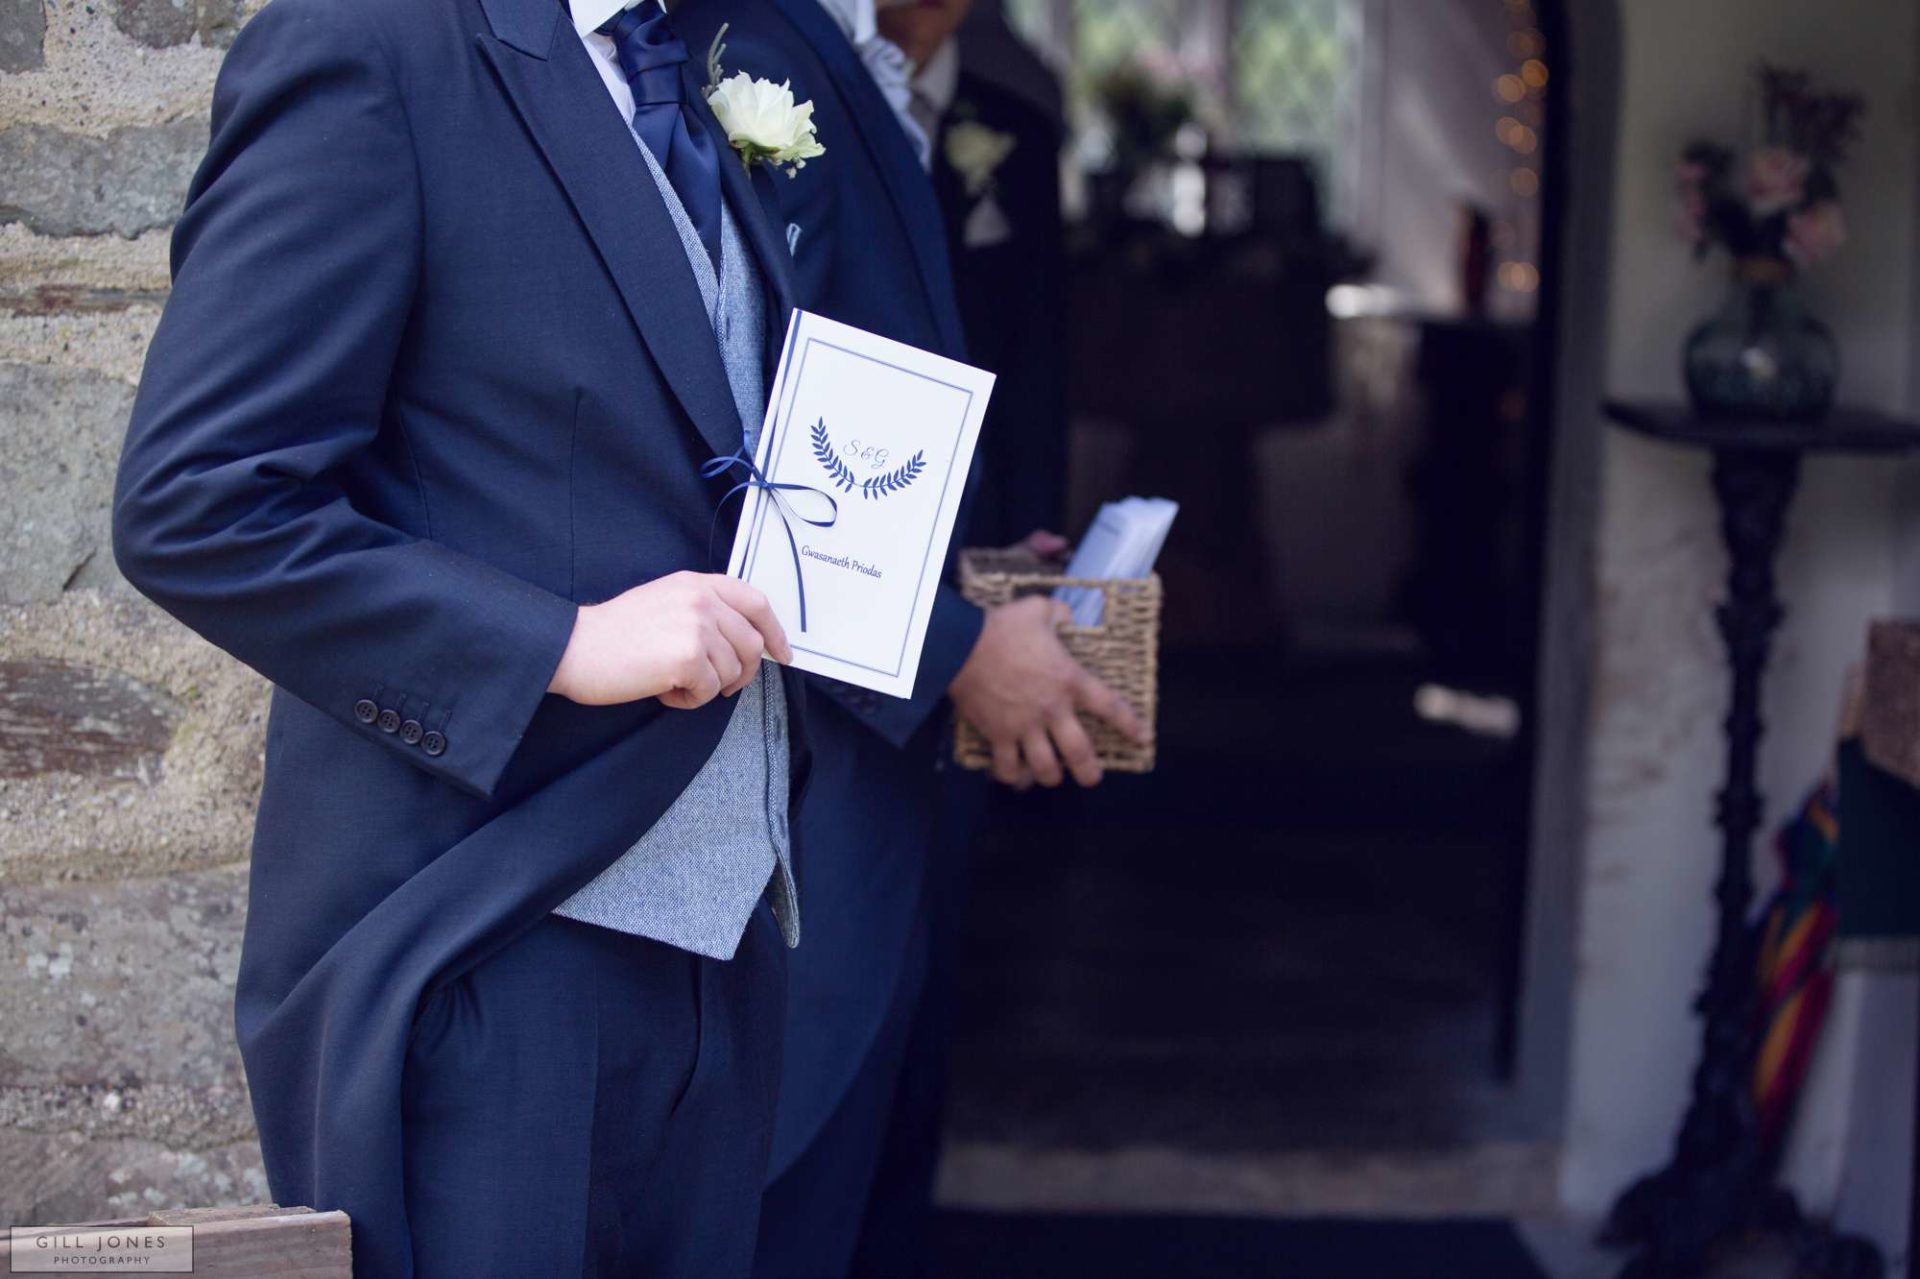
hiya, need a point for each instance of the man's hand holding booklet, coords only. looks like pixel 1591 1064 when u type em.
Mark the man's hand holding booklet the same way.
pixel 852 497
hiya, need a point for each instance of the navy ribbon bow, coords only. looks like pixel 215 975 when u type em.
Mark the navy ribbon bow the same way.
pixel 740 459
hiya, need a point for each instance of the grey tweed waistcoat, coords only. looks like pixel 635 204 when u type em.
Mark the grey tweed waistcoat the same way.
pixel 695 877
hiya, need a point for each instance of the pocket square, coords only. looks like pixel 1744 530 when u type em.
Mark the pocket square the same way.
pixel 986 226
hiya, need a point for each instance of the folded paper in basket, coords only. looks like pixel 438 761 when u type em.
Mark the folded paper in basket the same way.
pixel 1123 542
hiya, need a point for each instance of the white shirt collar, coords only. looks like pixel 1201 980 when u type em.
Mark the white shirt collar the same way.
pixel 589 15
pixel 854 18
pixel 938 82
pixel 606 60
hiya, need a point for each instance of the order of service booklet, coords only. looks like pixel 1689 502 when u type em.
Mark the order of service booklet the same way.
pixel 859 474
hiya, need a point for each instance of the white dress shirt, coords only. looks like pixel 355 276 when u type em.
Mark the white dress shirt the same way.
pixel 606 60
pixel 935 86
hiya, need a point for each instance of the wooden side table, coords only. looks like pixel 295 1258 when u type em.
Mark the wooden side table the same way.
pixel 1719 1180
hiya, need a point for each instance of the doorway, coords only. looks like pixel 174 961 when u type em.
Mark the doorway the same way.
pixel 1305 931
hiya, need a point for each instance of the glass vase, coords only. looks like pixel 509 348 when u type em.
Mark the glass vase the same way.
pixel 1763 354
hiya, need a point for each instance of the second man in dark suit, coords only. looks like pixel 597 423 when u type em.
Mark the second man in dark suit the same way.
pixel 870 248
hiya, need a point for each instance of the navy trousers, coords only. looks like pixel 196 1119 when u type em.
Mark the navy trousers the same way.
pixel 897 1226
pixel 591 1103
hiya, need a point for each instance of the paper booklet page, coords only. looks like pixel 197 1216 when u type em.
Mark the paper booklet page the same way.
pixel 862 468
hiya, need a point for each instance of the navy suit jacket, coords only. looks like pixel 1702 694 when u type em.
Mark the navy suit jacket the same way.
pixel 434 370
pixel 871 251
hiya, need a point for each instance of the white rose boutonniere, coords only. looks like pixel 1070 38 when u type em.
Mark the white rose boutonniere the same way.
pixel 762 120
pixel 976 154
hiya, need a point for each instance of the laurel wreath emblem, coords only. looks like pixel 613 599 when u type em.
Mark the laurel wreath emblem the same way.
pixel 843 477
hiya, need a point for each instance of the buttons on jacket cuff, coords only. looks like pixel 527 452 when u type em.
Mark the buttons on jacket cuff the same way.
pixel 410 731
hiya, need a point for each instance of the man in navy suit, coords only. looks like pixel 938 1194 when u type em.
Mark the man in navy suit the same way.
pixel 870 249
pixel 996 170
pixel 466 294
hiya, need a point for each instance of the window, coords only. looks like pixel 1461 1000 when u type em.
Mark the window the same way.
pixel 1111 33
pixel 1295 65
pixel 1273 75
pixel 1408 111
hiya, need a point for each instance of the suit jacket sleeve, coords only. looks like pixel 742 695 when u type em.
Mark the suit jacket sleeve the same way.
pixel 952 630
pixel 295 265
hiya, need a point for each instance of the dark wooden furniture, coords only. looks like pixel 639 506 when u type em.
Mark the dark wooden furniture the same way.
pixel 1719 1180
pixel 1191 346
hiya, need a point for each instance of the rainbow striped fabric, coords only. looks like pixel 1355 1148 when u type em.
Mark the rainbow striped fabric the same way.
pixel 1795 958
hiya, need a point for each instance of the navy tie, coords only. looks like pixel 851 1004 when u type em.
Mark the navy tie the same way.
pixel 651 56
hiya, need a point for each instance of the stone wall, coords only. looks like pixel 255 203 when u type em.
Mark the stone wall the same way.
pixel 129 750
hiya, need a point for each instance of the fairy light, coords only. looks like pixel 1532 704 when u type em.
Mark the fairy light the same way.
pixel 1521 277
pixel 1520 93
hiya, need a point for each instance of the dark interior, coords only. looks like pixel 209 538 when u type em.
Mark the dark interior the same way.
pixel 1301 931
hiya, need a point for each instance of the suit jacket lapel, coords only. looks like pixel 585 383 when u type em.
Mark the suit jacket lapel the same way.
pixel 558 95
pixel 893 156
pixel 755 211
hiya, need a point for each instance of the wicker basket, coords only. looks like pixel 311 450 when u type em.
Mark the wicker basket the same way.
pixel 1123 650
pixel 1890 709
